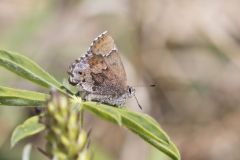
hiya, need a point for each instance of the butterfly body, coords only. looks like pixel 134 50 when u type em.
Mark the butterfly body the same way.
pixel 100 74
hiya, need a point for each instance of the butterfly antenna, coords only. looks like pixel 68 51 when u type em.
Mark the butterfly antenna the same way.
pixel 151 85
pixel 138 102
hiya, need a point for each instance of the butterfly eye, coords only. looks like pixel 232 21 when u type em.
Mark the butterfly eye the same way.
pixel 80 73
pixel 130 90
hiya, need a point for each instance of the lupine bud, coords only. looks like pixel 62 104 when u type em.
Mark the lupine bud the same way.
pixel 66 139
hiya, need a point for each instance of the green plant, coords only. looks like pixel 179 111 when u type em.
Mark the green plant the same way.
pixel 141 124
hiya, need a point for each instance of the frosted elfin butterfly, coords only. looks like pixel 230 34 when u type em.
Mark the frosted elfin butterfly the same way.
pixel 100 75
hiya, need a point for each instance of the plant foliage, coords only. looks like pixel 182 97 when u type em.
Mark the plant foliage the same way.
pixel 141 124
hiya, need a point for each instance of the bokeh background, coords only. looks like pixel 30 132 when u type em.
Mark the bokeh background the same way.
pixel 188 48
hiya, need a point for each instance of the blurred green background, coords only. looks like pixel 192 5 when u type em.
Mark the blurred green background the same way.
pixel 189 49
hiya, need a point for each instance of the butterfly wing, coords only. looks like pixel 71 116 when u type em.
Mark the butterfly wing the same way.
pixel 116 67
pixel 100 71
pixel 103 45
pixel 112 79
pixel 100 75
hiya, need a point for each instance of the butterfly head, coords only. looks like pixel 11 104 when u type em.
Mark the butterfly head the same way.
pixel 131 91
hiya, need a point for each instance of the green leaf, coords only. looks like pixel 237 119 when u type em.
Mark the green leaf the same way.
pixel 141 124
pixel 27 69
pixel 107 113
pixel 16 97
pixel 29 127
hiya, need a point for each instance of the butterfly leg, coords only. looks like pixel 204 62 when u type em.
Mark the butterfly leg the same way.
pixel 82 94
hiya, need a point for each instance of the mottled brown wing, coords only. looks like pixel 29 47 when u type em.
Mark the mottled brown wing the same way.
pixel 81 72
pixel 101 70
pixel 111 80
pixel 115 65
pixel 103 44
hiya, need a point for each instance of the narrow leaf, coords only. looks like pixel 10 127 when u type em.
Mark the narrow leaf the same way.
pixel 141 124
pixel 17 97
pixel 106 113
pixel 30 127
pixel 27 69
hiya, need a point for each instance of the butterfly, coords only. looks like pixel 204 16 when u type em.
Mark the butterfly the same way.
pixel 100 74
